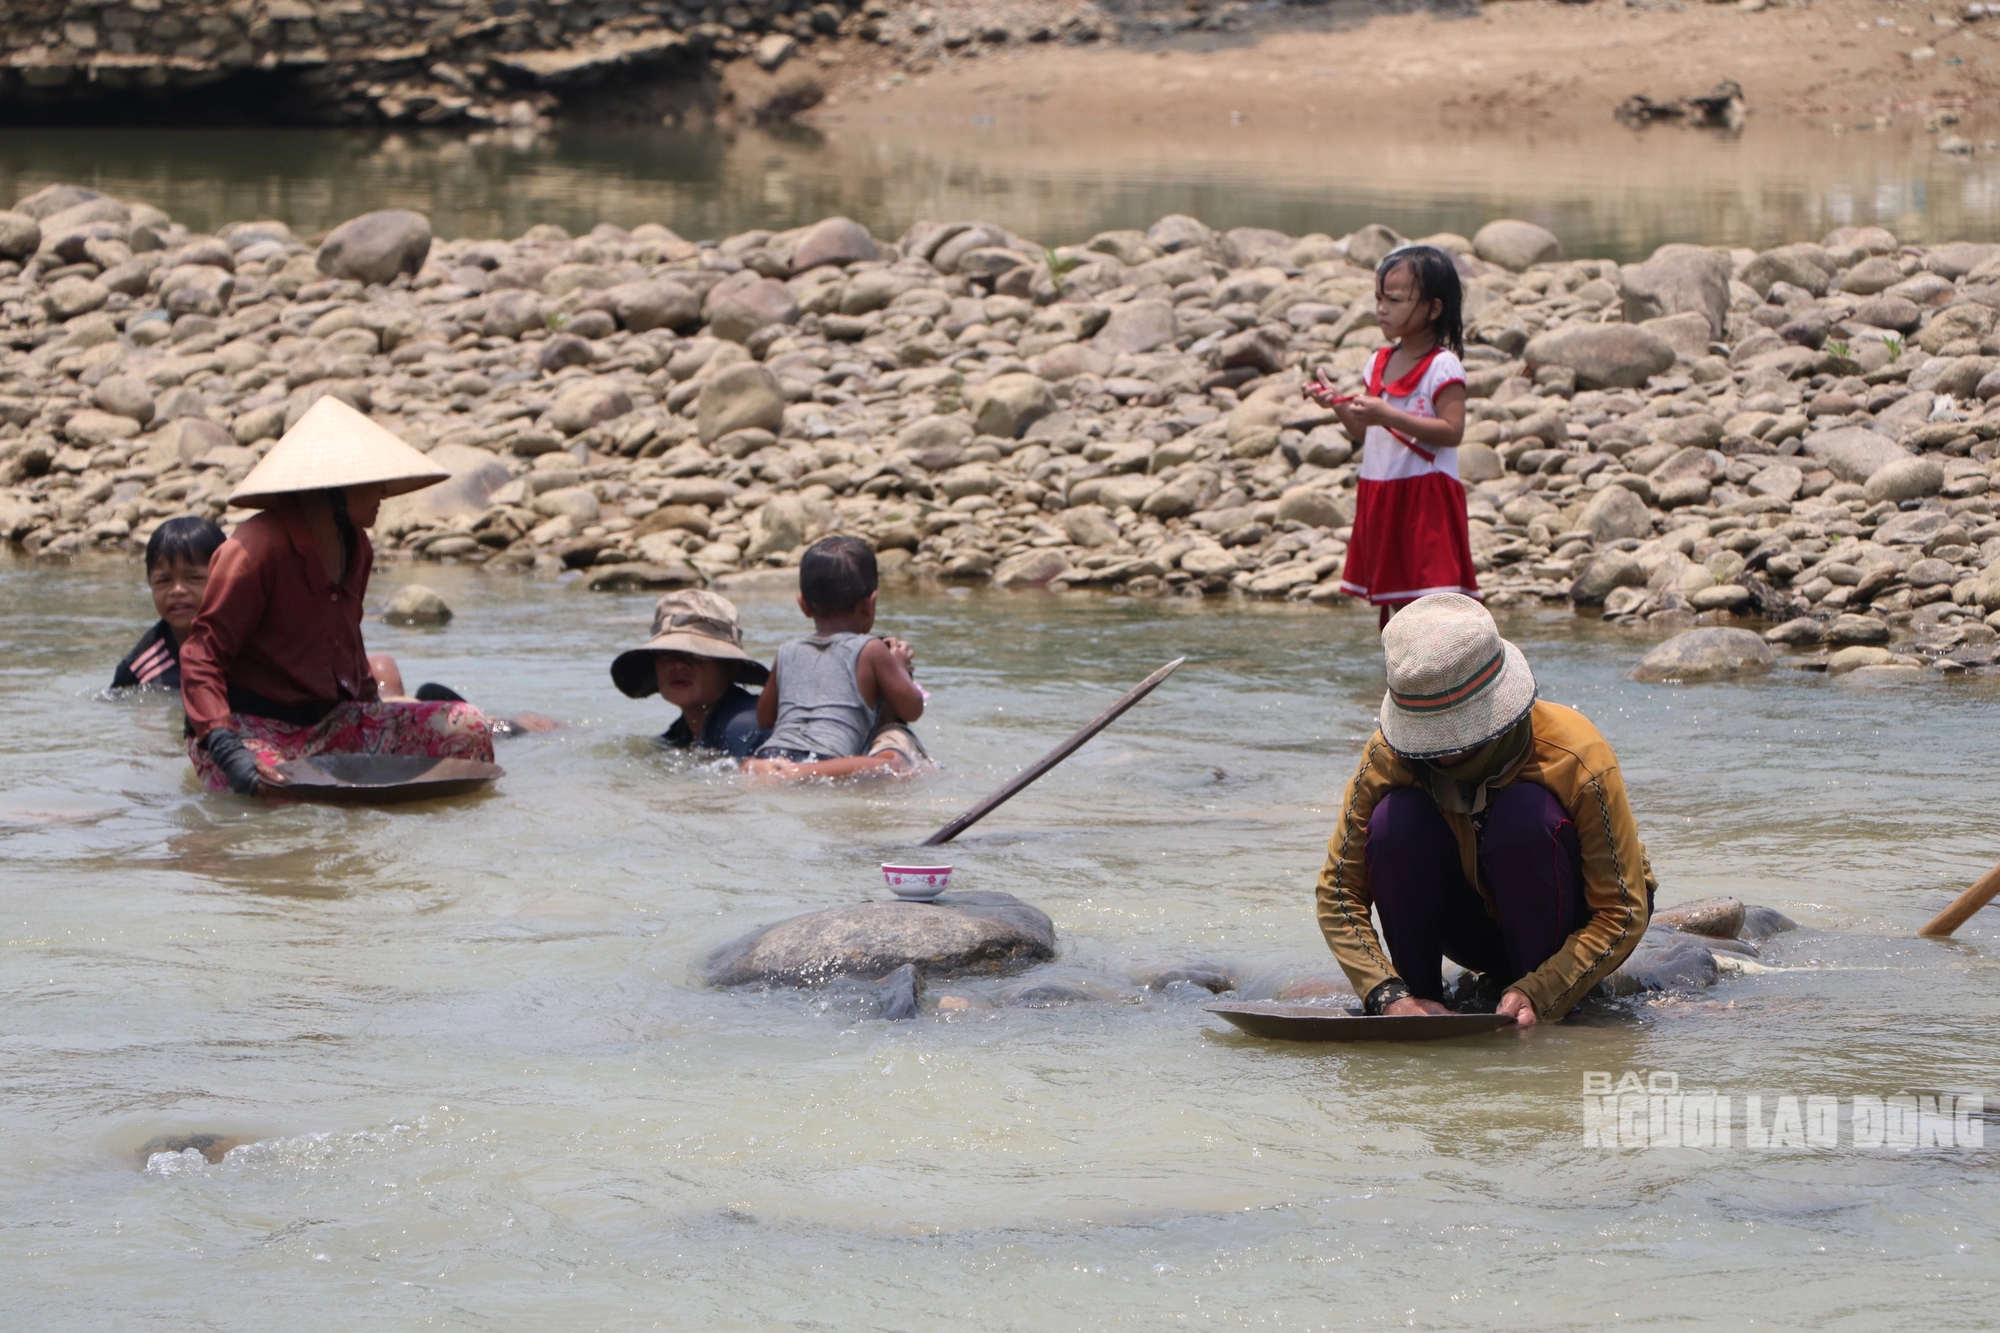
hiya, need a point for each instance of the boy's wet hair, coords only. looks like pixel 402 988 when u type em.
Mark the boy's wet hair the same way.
pixel 836 574
pixel 1437 280
pixel 188 539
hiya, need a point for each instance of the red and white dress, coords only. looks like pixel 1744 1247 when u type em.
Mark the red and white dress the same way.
pixel 1410 535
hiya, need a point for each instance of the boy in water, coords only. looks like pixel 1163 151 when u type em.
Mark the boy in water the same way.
pixel 176 574
pixel 838 701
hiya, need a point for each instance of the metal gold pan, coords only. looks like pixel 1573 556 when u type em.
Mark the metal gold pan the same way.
pixel 377 779
pixel 1309 1022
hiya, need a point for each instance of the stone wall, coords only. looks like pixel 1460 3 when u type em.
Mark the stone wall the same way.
pixel 419 62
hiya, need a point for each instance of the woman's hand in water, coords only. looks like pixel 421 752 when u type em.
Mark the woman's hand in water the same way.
pixel 1411 1005
pixel 1520 1006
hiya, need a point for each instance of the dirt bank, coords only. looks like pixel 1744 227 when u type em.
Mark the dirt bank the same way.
pixel 1523 61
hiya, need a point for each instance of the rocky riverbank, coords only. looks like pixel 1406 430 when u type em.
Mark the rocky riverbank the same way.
pixel 1799 440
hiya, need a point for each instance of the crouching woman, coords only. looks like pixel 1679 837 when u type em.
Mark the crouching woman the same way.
pixel 274 668
pixel 1482 826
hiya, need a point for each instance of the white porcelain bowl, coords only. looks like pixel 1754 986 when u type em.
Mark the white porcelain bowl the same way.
pixel 916 883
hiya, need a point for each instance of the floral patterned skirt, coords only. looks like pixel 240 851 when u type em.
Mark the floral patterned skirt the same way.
pixel 431 730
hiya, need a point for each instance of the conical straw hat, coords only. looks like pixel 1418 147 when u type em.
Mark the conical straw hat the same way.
pixel 333 446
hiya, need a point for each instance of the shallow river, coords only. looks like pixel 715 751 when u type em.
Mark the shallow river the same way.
pixel 485 1090
pixel 1607 191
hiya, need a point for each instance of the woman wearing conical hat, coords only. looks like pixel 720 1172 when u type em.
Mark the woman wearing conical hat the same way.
pixel 274 667
pixel 1483 825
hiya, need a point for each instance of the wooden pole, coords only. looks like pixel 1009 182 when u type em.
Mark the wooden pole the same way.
pixel 1052 758
pixel 1963 907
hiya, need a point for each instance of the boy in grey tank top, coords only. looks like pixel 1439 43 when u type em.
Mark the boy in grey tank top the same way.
pixel 840 700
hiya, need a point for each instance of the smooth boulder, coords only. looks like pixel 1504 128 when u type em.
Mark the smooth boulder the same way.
pixel 375 247
pixel 1516 245
pixel 1615 514
pixel 1677 279
pixel 414 604
pixel 1721 917
pixel 740 397
pixel 1604 356
pixel 1853 453
pixel 956 933
pixel 1007 405
pixel 1710 653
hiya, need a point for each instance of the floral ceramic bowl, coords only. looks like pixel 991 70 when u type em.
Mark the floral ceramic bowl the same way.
pixel 916 883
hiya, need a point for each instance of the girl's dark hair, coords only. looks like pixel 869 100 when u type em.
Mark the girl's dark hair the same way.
pixel 191 539
pixel 1437 280
pixel 836 574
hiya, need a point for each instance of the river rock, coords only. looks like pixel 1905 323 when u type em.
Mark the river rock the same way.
pixel 414 604
pixel 20 236
pixel 1608 570
pixel 1677 279
pixel 1853 453
pixel 1030 569
pixel 1007 405
pixel 509 314
pixel 1760 923
pixel 475 476
pixel 587 404
pixel 1906 479
pixel 652 303
pixel 956 933
pixel 1664 961
pixel 834 241
pixel 779 526
pixel 1615 514
pixel 1315 508
pixel 93 427
pixel 1849 628
pixel 69 297
pixel 1604 356
pixel 1721 917
pixel 1709 653
pixel 741 312
pixel 127 395
pixel 181 442
pixel 1516 245
pixel 1137 326
pixel 375 247
pixel 741 397
pixel 901 994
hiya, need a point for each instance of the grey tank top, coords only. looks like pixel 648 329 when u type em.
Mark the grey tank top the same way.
pixel 820 707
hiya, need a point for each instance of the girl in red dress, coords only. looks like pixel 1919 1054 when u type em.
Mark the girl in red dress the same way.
pixel 1410 536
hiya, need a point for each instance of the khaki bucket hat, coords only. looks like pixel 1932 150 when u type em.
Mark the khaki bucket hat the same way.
pixel 1454 683
pixel 334 446
pixel 698 623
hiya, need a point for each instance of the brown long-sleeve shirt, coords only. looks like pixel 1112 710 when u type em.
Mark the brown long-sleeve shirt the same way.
pixel 1570 758
pixel 271 624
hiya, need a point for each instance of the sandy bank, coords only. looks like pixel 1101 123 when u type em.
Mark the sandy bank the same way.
pixel 1520 62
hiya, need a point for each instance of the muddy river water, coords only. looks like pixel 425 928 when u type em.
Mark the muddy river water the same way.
pixel 1609 192
pixel 483 1089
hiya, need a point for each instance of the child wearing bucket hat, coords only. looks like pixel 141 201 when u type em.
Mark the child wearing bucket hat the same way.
pixel 1484 826
pixel 695 661
pixel 274 668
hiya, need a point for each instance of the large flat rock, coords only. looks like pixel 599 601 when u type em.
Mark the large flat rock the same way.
pixel 957 933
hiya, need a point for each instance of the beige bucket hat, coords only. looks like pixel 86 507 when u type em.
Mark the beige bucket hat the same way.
pixel 333 446
pixel 694 622
pixel 1454 683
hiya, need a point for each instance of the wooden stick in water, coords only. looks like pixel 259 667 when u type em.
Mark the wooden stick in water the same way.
pixel 1963 906
pixel 1052 758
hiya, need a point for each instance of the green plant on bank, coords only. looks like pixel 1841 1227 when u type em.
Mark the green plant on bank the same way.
pixel 1835 347
pixel 1895 345
pixel 556 322
pixel 1060 266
